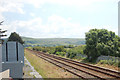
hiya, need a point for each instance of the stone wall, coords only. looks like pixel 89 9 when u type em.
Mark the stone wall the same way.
pixel 5 74
pixel 82 55
pixel 108 58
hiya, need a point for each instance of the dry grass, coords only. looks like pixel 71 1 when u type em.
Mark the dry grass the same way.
pixel 46 69
pixel 108 66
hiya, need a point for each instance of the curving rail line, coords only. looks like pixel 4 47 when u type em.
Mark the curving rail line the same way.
pixel 78 68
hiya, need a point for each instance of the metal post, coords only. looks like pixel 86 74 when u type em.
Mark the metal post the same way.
pixel 118 21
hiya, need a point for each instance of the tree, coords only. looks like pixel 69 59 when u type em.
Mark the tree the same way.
pixel 1 33
pixel 59 49
pixel 71 46
pixel 101 42
pixel 15 37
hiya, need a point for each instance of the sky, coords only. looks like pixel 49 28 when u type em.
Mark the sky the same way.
pixel 58 18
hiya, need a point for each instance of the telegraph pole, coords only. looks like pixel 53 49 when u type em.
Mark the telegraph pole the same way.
pixel 119 18
pixel 2 33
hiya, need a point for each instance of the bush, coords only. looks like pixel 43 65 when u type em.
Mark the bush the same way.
pixel 101 42
pixel 110 62
pixel 61 53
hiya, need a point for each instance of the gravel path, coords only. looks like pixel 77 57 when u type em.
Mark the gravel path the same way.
pixel 30 69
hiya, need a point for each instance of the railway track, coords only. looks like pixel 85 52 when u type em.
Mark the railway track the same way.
pixel 91 67
pixel 82 70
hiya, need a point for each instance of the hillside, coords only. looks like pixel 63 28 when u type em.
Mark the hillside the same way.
pixel 52 41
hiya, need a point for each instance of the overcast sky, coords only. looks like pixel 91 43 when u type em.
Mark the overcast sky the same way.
pixel 58 18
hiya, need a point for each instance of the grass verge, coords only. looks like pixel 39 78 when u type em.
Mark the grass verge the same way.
pixel 46 69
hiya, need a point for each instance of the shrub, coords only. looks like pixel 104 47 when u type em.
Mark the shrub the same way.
pixel 110 62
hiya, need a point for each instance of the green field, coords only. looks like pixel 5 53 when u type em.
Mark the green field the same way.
pixel 52 41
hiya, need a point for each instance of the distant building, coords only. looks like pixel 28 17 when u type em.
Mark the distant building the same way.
pixel 13 58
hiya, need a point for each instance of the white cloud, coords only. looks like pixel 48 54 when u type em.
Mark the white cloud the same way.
pixel 32 14
pixel 83 3
pixel 56 26
pixel 69 18
pixel 17 5
pixel 11 6
pixel 1 17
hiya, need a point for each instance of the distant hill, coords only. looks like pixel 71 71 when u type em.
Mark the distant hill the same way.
pixel 52 41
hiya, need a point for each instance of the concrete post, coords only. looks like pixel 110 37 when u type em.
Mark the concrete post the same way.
pixel 0 61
